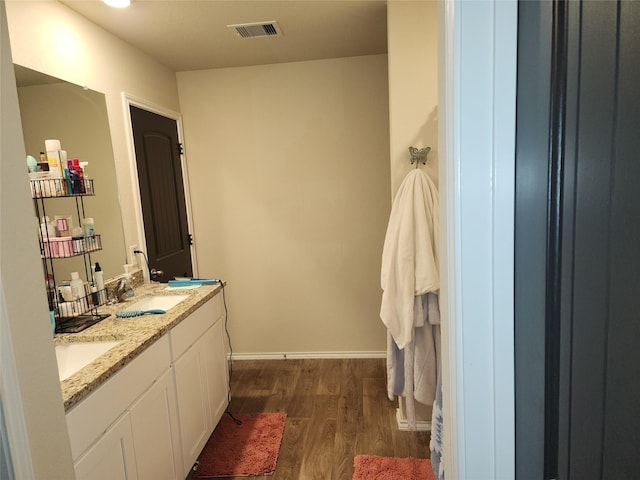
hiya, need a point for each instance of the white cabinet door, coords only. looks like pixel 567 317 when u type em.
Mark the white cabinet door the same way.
pixel 88 420
pixel 217 371
pixel 112 457
pixel 156 437
pixel 193 404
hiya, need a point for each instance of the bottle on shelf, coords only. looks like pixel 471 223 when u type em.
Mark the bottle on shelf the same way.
pixel 80 173
pixel 53 157
pixel 95 296
pixel 77 292
pixel 47 229
pixel 88 227
pixel 43 164
pixel 89 233
pixel 67 185
pixel 32 164
pixel 88 184
pixel 98 278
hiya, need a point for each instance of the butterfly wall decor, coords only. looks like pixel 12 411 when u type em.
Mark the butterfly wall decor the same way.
pixel 419 155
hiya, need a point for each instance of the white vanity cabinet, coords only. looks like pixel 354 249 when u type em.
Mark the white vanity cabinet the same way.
pixel 105 429
pixel 201 376
pixel 144 443
pixel 151 419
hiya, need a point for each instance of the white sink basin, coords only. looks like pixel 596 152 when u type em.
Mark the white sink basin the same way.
pixel 159 302
pixel 71 357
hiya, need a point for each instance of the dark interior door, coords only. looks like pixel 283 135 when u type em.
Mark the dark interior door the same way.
pixel 578 241
pixel 164 209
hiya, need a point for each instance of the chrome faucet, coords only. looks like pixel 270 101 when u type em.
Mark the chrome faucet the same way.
pixel 153 274
pixel 124 290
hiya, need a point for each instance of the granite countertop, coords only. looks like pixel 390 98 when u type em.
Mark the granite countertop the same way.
pixel 134 334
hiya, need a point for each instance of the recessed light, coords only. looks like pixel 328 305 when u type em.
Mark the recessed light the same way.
pixel 117 3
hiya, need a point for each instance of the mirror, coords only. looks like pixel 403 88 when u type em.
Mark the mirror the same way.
pixel 51 108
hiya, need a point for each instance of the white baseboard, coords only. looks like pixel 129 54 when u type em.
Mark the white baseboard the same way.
pixel 306 355
pixel 403 424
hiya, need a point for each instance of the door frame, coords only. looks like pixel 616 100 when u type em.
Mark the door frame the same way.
pixel 477 91
pixel 129 100
pixel 539 230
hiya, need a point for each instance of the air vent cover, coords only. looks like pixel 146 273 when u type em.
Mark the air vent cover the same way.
pixel 259 29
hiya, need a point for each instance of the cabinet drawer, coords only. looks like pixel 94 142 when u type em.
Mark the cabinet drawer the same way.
pixel 193 327
pixel 91 417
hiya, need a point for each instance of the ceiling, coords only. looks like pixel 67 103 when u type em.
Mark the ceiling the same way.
pixel 193 34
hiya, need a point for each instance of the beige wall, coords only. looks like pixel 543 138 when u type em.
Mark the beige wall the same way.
pixel 289 178
pixel 82 53
pixel 412 37
pixel 24 317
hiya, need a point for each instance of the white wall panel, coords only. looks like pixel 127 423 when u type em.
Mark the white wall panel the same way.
pixel 478 90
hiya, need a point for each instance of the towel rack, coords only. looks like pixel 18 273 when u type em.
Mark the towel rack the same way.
pixel 419 155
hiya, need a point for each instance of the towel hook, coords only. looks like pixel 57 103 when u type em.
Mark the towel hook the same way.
pixel 419 155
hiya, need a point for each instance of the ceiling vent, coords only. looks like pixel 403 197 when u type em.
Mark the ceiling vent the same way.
pixel 260 29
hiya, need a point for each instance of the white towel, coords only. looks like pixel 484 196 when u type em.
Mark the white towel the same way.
pixel 410 254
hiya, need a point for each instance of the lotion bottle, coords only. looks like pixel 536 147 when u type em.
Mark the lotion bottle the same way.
pixel 77 292
pixel 53 157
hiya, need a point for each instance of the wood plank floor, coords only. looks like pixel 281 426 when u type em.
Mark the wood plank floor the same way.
pixel 336 409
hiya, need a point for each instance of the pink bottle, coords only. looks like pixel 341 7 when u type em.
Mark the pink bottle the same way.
pixel 78 169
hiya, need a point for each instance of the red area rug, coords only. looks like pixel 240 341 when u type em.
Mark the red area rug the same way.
pixel 249 449
pixel 370 467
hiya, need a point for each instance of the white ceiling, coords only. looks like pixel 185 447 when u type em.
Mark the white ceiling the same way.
pixel 193 34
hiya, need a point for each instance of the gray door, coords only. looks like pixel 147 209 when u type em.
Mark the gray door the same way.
pixel 160 179
pixel 578 241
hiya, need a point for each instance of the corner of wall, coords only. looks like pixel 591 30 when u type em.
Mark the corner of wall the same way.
pixel 412 32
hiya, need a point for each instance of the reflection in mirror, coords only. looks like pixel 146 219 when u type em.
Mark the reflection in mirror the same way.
pixel 54 109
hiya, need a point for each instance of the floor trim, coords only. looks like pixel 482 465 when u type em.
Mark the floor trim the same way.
pixel 306 355
pixel 403 424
